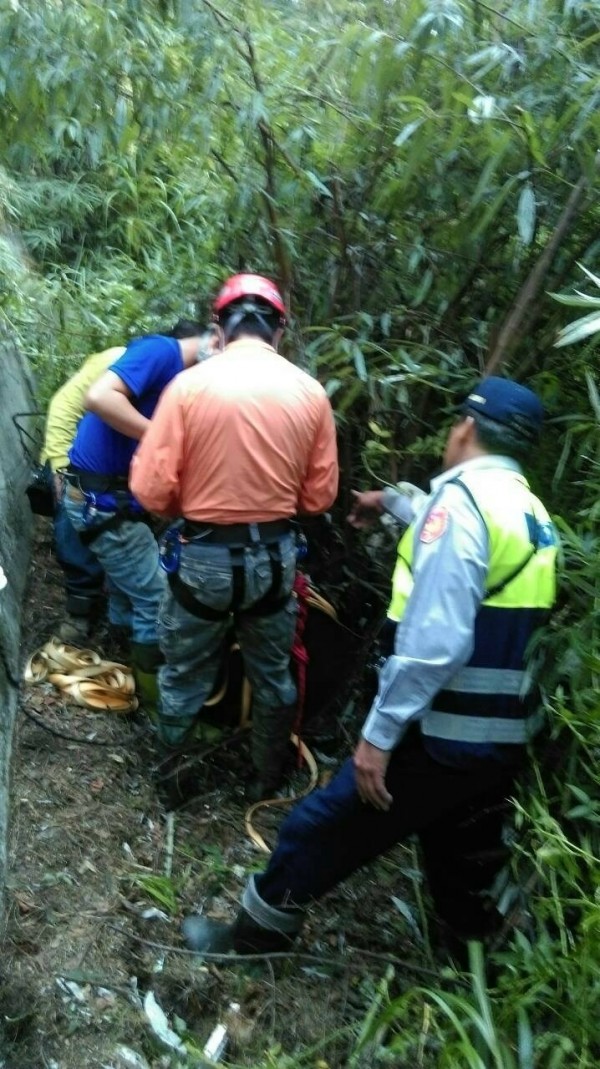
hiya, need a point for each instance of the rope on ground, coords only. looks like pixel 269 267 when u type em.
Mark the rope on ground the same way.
pixel 83 676
pixel 281 802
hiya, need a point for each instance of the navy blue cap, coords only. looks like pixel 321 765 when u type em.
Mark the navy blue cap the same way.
pixel 505 401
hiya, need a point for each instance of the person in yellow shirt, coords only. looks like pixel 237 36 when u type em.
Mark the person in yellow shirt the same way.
pixel 84 575
pixel 68 405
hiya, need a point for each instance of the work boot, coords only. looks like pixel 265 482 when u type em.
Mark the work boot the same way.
pixel 75 630
pixel 270 748
pixel 177 776
pixel 117 641
pixel 82 612
pixel 145 661
pixel 258 928
pixel 206 936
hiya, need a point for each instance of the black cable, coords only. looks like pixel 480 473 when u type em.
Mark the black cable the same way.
pixel 75 738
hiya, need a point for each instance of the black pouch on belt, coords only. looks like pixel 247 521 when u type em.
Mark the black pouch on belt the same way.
pixel 39 490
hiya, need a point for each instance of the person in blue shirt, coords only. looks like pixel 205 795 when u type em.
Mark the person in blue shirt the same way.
pixel 448 730
pixel 98 501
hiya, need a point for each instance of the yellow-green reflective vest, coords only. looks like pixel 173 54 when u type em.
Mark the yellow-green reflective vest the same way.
pixel 491 699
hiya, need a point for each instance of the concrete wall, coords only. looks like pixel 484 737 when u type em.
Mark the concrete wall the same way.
pixel 16 525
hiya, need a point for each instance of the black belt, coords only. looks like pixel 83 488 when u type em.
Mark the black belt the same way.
pixel 93 483
pixel 236 534
pixel 90 534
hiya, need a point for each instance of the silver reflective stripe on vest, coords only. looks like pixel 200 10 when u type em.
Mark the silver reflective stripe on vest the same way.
pixel 511 681
pixel 458 728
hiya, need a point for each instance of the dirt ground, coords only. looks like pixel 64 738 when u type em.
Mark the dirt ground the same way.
pixel 101 876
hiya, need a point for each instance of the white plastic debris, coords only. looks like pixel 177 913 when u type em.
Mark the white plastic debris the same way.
pixel 155 914
pixel 3 579
pixel 70 988
pixel 160 1024
pixel 128 1059
pixel 216 1044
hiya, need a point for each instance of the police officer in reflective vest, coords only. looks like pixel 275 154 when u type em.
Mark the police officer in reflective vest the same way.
pixel 448 730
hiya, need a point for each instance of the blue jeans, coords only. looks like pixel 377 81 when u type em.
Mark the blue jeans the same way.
pixel 192 647
pixel 129 555
pixel 84 575
pixel 458 815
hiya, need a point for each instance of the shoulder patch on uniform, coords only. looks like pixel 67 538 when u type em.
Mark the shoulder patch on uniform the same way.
pixel 435 525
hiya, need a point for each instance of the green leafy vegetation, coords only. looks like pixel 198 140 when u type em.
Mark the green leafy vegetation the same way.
pixel 419 178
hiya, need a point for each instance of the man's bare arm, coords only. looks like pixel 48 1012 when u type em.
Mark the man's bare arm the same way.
pixel 110 399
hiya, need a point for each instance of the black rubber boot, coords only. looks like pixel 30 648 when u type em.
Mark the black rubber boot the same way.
pixel 79 621
pixel 271 749
pixel 258 928
pixel 177 775
pixel 117 642
pixel 251 938
pixel 206 936
pixel 83 604
pixel 242 936
pixel 76 630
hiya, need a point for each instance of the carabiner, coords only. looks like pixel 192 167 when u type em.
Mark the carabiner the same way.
pixel 169 550
pixel 89 509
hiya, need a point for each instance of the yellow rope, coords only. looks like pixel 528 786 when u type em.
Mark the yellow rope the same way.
pixel 281 802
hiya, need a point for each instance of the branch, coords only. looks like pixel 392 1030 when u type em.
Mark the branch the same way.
pixel 228 170
pixel 269 193
pixel 218 14
pixel 530 290
pixel 298 955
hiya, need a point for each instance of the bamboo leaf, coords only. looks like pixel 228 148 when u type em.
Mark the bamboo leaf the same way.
pixel 408 914
pixel 332 386
pixel 385 322
pixel 359 363
pixel 407 132
pixel 589 274
pixel 485 178
pixel 577 331
pixel 494 208
pixel 526 213
pixel 533 142
pixel 318 184
pixel 525 1041
pixel 593 394
pixel 576 300
pixel 424 287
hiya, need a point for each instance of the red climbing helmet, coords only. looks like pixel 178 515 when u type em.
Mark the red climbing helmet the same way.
pixel 239 286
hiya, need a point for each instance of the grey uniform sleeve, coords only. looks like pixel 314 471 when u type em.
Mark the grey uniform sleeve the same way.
pixel 435 636
pixel 403 501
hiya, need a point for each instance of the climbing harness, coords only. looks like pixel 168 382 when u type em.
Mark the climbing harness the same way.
pixel 237 538
pixel 90 486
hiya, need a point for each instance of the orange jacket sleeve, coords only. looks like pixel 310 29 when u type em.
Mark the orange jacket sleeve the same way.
pixel 320 485
pixel 155 469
